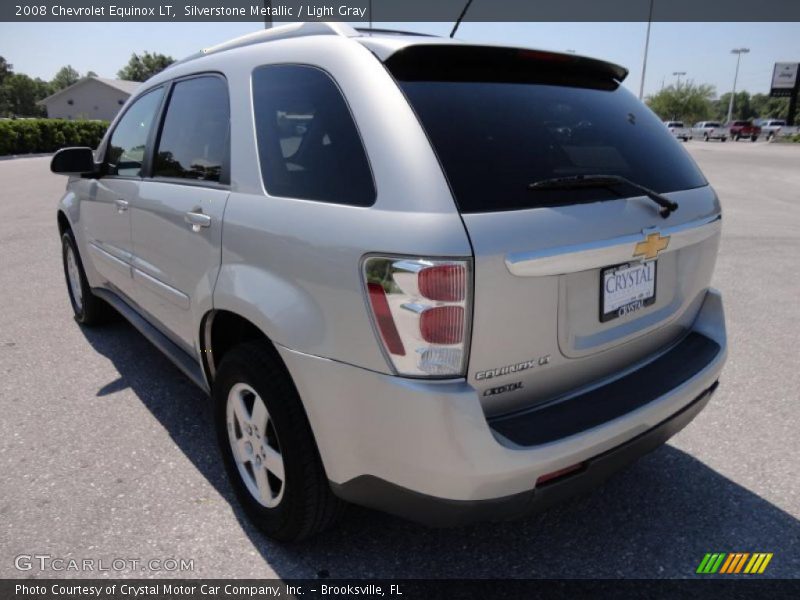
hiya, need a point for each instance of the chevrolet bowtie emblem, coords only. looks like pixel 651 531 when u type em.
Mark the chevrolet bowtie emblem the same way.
pixel 651 246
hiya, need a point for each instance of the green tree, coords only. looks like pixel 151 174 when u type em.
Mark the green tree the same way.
pixel 684 101
pixel 742 107
pixel 20 94
pixel 5 70
pixel 143 67
pixel 769 108
pixel 65 77
pixel 91 74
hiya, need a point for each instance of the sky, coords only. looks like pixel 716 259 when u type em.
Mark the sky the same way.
pixel 702 50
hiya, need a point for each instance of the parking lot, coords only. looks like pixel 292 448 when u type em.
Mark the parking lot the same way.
pixel 106 450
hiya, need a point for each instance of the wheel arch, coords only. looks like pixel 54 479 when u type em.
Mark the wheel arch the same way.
pixel 63 222
pixel 220 331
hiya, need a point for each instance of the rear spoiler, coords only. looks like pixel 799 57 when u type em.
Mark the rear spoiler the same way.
pixel 461 62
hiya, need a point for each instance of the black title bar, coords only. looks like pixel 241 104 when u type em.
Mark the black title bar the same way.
pixel 400 10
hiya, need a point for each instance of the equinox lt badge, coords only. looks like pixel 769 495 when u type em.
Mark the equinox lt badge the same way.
pixel 523 366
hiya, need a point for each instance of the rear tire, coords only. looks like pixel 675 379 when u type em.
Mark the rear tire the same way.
pixel 268 446
pixel 705 137
pixel 87 308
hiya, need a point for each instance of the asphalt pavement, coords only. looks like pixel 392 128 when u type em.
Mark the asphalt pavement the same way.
pixel 107 451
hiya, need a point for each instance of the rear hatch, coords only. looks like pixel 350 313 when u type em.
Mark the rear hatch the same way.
pixel 573 283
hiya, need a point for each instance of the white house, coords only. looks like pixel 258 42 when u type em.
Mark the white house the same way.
pixel 90 98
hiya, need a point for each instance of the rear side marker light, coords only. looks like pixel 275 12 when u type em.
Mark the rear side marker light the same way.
pixel 420 310
pixel 383 318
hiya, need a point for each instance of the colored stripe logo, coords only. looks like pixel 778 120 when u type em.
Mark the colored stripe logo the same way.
pixel 732 563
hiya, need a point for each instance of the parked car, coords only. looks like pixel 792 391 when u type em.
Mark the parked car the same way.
pixel 343 238
pixel 679 130
pixel 743 129
pixel 773 128
pixel 710 130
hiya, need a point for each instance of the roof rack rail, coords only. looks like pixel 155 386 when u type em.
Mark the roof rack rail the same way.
pixel 393 31
pixel 281 32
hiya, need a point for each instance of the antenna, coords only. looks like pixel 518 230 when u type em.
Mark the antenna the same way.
pixel 460 18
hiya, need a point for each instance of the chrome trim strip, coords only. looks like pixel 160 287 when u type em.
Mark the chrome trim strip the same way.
pixel 167 292
pixel 601 253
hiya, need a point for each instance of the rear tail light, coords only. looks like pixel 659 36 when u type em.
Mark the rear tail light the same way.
pixel 420 308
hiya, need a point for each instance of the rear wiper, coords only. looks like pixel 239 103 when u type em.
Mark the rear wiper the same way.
pixel 579 181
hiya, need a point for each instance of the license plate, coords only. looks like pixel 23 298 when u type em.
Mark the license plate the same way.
pixel 627 288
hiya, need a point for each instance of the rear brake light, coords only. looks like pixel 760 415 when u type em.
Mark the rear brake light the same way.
pixel 420 309
pixel 444 282
pixel 442 324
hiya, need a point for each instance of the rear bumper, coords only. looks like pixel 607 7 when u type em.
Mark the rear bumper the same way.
pixel 441 512
pixel 425 450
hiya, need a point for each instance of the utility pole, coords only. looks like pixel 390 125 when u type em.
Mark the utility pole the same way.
pixel 678 74
pixel 646 47
pixel 738 52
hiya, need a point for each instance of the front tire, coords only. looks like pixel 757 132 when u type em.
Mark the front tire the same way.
pixel 87 308
pixel 268 446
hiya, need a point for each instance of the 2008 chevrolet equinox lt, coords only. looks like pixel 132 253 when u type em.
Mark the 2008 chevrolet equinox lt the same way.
pixel 444 280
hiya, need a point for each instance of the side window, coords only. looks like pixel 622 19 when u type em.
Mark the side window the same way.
pixel 194 138
pixel 126 148
pixel 308 144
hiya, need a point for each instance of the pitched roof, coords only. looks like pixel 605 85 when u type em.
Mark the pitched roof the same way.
pixel 126 87
pixel 122 85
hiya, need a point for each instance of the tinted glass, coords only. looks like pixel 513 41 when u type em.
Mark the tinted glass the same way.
pixel 126 148
pixel 711 124
pixel 194 138
pixel 495 138
pixel 307 141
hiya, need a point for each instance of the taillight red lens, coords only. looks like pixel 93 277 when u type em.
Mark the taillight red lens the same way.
pixel 442 325
pixel 384 319
pixel 447 283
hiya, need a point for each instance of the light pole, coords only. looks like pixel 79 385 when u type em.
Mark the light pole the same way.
pixel 738 52
pixel 678 74
pixel 646 46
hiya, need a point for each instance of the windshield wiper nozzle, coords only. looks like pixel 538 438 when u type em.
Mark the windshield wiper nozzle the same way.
pixel 581 181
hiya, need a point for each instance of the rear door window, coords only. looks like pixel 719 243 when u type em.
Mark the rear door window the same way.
pixel 308 144
pixel 195 135
pixel 495 135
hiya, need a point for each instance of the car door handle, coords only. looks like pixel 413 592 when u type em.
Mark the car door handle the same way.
pixel 197 220
pixel 122 205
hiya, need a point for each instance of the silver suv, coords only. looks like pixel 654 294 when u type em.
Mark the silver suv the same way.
pixel 443 280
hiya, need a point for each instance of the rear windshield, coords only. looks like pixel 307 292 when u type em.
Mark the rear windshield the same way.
pixel 674 124
pixel 496 137
pixel 711 124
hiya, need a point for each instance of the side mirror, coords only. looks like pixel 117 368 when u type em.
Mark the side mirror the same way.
pixel 73 161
